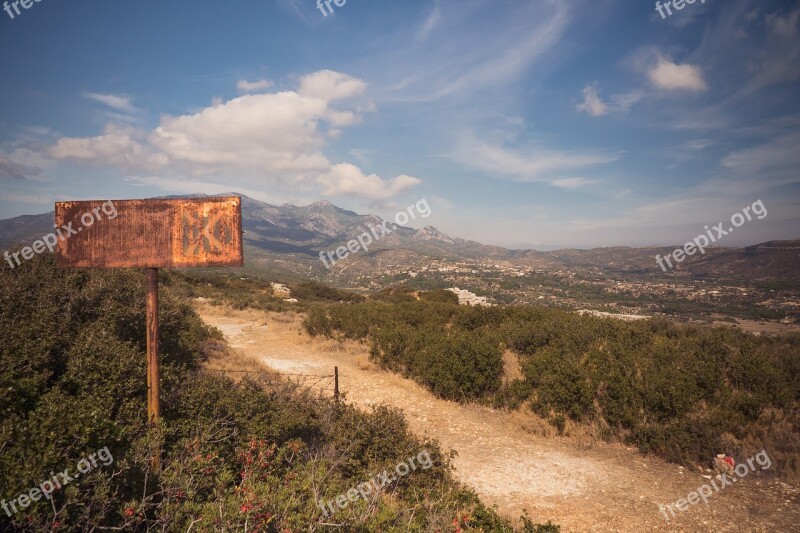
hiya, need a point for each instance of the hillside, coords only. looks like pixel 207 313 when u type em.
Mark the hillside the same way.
pixel 244 455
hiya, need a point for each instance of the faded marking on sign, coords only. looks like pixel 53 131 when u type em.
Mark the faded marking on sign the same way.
pixel 203 231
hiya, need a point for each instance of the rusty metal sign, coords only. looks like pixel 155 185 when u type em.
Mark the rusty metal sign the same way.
pixel 174 233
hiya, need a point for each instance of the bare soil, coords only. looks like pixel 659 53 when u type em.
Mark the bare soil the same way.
pixel 580 485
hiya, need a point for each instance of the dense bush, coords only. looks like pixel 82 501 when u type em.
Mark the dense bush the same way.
pixel 224 289
pixel 439 295
pixel 317 292
pixel 394 295
pixel 250 292
pixel 234 457
pixel 410 337
pixel 682 392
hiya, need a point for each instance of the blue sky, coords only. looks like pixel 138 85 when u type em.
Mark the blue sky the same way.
pixel 524 123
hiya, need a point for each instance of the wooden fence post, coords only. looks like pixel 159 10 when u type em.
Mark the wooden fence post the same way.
pixel 336 383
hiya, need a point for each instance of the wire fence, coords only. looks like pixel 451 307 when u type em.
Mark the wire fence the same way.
pixel 316 382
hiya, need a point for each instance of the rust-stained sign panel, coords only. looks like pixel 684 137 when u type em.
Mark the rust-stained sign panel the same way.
pixel 191 232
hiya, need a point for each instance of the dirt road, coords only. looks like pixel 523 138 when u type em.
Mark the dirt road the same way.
pixel 583 488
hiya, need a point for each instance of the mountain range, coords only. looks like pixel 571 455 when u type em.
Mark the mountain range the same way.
pixel 289 239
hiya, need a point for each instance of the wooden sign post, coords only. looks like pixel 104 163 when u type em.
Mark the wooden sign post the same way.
pixel 150 234
pixel 153 367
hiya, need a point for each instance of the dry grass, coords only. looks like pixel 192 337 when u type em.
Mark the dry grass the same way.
pixel 511 367
pixel 232 363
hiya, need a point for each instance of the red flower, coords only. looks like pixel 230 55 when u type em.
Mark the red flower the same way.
pixel 129 512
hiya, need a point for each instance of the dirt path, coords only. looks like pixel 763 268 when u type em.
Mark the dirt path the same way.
pixel 597 488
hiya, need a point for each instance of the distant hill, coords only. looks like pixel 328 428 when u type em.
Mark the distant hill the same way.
pixel 25 228
pixel 289 238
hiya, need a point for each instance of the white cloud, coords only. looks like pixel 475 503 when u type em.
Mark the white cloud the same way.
pixel 592 103
pixel 118 145
pixel 253 86
pixel 328 85
pixel 345 178
pixel 122 103
pixel 268 138
pixel 672 76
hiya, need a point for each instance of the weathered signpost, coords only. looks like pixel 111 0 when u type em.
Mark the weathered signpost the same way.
pixel 153 234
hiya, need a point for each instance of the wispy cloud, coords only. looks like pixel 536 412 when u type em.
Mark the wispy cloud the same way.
pixel 595 106
pixel 298 8
pixel 120 102
pixel 533 164
pixel 38 199
pixel 433 20
pixel 779 60
pixel 12 169
pixel 439 65
pixel 776 160
pixel 592 103
pixel 571 183
pixel 245 86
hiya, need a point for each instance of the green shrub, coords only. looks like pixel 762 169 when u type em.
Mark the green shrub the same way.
pixel 233 456
pixel 317 292
pixel 439 296
pixel 530 527
pixel 673 390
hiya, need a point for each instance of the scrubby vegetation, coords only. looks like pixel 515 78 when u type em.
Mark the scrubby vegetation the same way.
pixel 254 293
pixel 235 457
pixel 682 392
